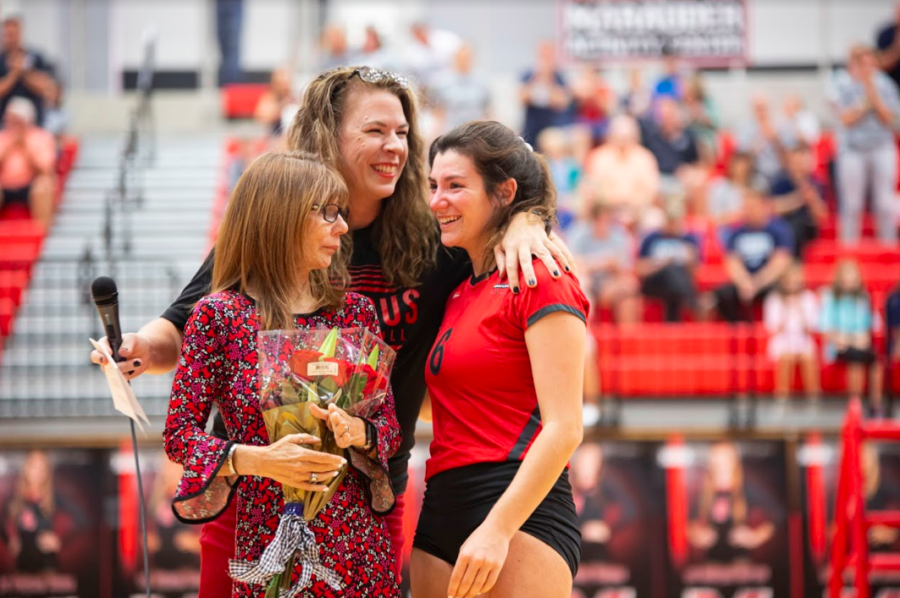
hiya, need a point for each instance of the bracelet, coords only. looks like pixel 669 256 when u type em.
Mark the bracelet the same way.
pixel 230 459
pixel 370 436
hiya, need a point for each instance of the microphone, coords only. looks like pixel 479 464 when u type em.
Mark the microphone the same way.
pixel 106 298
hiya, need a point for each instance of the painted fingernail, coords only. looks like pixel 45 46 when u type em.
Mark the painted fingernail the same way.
pixel 531 281
pixel 556 273
pixel 131 372
pixel 137 363
pixel 516 290
pixel 568 269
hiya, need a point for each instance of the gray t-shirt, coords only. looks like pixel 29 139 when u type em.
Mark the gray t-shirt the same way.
pixel 724 197
pixel 617 244
pixel 463 97
pixel 868 132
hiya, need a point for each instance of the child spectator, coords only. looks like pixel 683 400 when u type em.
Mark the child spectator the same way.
pixel 790 314
pixel 848 321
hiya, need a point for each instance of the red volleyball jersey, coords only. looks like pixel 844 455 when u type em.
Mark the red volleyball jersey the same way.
pixel 484 405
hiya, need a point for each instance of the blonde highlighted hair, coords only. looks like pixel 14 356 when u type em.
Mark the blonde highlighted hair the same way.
pixel 259 247
pixel 404 232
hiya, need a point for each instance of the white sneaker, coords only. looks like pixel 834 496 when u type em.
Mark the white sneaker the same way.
pixel 590 415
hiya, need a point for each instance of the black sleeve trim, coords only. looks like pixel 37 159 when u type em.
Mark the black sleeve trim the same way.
pixel 212 479
pixel 546 311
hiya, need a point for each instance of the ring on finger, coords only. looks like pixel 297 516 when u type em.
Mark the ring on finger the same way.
pixel 313 477
pixel 346 429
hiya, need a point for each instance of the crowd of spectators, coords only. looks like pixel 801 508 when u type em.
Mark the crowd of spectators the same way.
pixel 34 126
pixel 651 187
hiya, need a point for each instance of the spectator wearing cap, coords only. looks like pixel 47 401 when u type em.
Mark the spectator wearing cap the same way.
pixel 27 161
pixel 23 72
pixel 866 103
pixel 666 262
pixel 758 253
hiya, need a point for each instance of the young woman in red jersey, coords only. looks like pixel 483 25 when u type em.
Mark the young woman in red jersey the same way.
pixel 505 380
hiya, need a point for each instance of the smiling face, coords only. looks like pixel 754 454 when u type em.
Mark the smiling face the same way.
pixel 460 202
pixel 322 239
pixel 372 143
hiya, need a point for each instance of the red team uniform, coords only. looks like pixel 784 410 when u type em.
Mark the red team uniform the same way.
pixel 486 413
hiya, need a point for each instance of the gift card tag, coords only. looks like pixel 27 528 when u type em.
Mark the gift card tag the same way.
pixel 322 368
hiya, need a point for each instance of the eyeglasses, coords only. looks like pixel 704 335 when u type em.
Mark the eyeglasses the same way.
pixel 331 211
pixel 373 75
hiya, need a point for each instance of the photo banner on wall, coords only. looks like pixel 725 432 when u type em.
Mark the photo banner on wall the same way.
pixel 50 530
pixel 174 547
pixel 620 509
pixel 727 514
pixel 702 32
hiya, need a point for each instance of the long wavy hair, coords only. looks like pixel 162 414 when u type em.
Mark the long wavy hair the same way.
pixel 404 231
pixel 498 155
pixel 260 249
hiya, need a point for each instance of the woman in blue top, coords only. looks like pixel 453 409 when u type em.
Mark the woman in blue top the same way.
pixel 847 323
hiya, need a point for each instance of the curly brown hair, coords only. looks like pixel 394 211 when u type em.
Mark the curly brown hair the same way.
pixel 405 231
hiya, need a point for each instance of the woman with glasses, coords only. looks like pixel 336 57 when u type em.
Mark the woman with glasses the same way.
pixel 273 269
pixel 364 122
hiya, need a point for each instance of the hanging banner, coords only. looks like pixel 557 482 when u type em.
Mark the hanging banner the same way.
pixel 702 32
pixel 50 540
pixel 620 507
pixel 727 519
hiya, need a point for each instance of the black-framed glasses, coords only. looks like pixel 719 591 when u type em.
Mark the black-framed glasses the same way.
pixel 331 211
pixel 373 75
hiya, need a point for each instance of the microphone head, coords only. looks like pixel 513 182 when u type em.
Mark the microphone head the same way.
pixel 104 290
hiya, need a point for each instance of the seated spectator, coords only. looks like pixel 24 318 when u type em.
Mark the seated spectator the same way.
pixel 55 119
pixel 556 147
pixel 27 161
pixel 459 94
pixel 757 255
pixel 23 72
pixel 543 93
pixel 636 101
pixel 666 262
pixel 866 103
pixel 762 139
pixel 796 198
pixel 800 124
pixel 725 198
pixel 671 83
pixel 667 138
pixel 702 118
pixel 848 321
pixel 621 174
pixel 277 106
pixel 593 101
pixel 791 317
pixel 603 251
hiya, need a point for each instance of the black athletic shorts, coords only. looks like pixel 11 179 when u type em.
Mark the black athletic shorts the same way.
pixel 20 196
pixel 458 500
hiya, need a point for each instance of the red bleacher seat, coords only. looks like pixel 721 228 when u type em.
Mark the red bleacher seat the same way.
pixel 13 284
pixel 7 312
pixel 239 100
pixel 867 251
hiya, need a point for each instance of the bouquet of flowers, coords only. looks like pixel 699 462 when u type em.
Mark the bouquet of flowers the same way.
pixel 298 368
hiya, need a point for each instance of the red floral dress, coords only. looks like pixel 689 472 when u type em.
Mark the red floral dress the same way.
pixel 218 366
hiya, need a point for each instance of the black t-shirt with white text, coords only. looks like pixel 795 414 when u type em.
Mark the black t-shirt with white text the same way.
pixel 409 319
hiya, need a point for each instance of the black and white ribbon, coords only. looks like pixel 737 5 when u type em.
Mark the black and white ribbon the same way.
pixel 293 538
